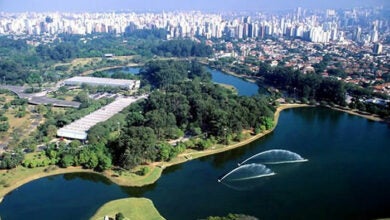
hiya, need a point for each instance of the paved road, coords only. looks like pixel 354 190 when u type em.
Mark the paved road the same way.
pixel 18 90
pixel 39 98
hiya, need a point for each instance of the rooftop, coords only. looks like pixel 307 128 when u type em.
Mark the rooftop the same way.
pixel 79 128
pixel 102 81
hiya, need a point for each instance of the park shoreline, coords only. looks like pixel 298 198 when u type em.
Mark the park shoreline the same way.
pixel 41 172
pixel 357 113
pixel 197 154
pixel 157 167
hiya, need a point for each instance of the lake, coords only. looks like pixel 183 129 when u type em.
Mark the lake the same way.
pixel 243 87
pixel 125 69
pixel 347 177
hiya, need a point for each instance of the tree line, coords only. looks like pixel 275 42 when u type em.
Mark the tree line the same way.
pixel 20 60
pixel 311 87
pixel 306 86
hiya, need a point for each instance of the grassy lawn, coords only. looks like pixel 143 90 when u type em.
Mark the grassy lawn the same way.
pixel 127 178
pixel 131 208
pixel 17 125
pixel 58 110
pixel 80 62
pixel 36 159
pixel 7 97
pixel 15 177
pixel 230 87
pixel 17 122
pixel 10 113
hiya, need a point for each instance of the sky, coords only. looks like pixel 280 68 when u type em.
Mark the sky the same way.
pixel 159 5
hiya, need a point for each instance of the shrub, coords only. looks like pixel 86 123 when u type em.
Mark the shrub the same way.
pixel 144 170
pixel 119 216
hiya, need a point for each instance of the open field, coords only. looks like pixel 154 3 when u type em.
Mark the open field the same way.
pixel 131 208
pixel 18 126
pixel 80 62
pixel 15 122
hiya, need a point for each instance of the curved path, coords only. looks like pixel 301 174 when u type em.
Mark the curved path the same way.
pixel 39 98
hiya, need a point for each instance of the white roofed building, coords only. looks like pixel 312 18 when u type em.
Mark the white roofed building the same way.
pixel 96 81
pixel 79 128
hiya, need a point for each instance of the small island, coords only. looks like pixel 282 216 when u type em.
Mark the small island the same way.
pixel 130 208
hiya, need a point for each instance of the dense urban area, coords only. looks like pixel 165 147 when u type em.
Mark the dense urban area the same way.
pixel 56 110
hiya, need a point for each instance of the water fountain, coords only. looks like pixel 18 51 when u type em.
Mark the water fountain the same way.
pixel 275 156
pixel 247 172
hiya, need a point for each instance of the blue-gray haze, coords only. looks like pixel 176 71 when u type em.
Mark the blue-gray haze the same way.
pixel 158 5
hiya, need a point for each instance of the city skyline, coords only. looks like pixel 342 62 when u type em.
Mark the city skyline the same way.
pixel 203 5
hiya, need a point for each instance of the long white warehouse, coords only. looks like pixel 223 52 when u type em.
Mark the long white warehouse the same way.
pixel 79 128
pixel 96 81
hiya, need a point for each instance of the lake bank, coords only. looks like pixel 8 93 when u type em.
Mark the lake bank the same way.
pixel 318 134
pixel 21 175
pixel 222 148
pixel 360 114
pixel 338 108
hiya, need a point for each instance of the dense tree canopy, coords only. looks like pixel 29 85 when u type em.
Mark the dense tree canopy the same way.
pixel 308 86
pixel 188 103
pixel 90 156
pixel 11 160
pixel 163 74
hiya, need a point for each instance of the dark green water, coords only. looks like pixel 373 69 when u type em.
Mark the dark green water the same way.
pixel 244 88
pixel 347 177
pixel 129 70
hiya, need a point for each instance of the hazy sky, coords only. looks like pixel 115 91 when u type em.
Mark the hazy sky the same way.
pixel 211 5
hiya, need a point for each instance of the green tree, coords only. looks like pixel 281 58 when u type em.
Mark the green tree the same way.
pixel 51 131
pixel 119 216
pixel 4 126
pixel 66 160
pixel 136 145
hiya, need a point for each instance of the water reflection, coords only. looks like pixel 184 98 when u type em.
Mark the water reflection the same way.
pixel 220 160
pixel 172 169
pixel 338 172
pixel 138 191
pixel 96 178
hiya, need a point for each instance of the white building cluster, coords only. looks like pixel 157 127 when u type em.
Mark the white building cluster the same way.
pixel 315 27
pixel 178 24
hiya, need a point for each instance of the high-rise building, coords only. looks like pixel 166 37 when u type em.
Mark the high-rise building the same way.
pixel 358 34
pixel 299 13
pixel 247 20
pixel 240 31
pixel 262 31
pixel 377 48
